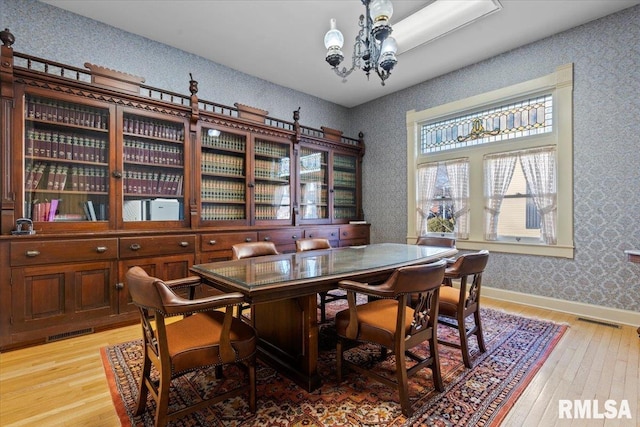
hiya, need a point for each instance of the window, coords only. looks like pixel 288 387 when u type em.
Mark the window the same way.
pixel 443 197
pixel 487 169
pixel 505 176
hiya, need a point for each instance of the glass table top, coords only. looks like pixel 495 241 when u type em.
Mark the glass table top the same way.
pixel 252 273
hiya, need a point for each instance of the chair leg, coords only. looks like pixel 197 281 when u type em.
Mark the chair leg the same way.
pixel 162 405
pixel 143 390
pixel 252 384
pixel 323 309
pixel 339 356
pixel 464 342
pixel 435 367
pixel 479 333
pixel 403 386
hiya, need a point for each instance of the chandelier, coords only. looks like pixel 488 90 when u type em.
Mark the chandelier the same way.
pixel 374 48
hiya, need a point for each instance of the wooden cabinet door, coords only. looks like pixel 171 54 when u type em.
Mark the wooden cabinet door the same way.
pixel 46 297
pixel 165 268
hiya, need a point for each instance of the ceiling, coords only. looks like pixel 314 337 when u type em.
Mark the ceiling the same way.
pixel 282 41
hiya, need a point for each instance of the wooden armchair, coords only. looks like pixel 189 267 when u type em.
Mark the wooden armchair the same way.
pixel 458 304
pixel 391 323
pixel 204 337
pixel 303 245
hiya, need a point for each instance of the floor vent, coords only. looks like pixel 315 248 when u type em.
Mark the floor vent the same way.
pixel 71 334
pixel 599 322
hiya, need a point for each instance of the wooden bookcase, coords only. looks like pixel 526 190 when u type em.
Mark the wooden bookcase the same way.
pixel 114 173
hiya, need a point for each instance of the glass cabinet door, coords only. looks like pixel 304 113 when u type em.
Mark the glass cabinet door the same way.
pixel 66 163
pixel 314 180
pixel 153 172
pixel 223 176
pixel 272 175
pixel 345 187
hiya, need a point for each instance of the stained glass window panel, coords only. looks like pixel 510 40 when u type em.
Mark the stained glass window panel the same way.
pixel 505 122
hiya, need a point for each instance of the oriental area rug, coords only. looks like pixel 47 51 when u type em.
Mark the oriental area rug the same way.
pixel 481 396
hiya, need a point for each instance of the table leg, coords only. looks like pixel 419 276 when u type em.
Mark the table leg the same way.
pixel 288 338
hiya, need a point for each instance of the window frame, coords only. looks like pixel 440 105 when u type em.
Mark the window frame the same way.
pixel 560 85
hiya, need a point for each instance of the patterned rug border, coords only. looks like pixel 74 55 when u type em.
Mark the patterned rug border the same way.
pixel 542 351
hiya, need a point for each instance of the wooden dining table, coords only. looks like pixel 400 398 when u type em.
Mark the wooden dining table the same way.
pixel 282 290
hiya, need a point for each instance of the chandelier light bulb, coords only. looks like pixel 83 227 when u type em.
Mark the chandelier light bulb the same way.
pixel 381 9
pixel 333 38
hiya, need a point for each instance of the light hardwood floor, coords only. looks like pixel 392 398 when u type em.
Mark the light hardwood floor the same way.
pixel 63 383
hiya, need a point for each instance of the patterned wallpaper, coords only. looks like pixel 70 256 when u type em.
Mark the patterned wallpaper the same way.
pixel 606 54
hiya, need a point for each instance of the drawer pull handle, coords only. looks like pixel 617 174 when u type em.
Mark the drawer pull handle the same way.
pixel 311 236
pixel 101 249
pixel 212 242
pixel 32 253
pixel 119 286
pixel 135 247
pixel 266 239
pixel 344 233
pixel 294 237
pixel 333 234
pixel 248 239
pixel 184 244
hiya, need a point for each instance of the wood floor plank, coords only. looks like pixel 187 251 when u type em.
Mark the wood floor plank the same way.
pixel 63 383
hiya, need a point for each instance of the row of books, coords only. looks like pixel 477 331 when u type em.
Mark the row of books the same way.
pixel 64 112
pixel 344 162
pixel 83 179
pixel 313 212
pixel 225 141
pixel 151 152
pixel 49 211
pixel 270 192
pixel 154 128
pixel 68 146
pixel 273 212
pixel 344 179
pixel 222 164
pixel 153 183
pixel 271 149
pixel 44 211
pixel 271 169
pixel 344 213
pixel 344 197
pixel 222 213
pixel 223 191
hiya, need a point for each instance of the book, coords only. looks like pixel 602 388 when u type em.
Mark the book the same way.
pixel 91 209
pixel 53 209
pixel 87 214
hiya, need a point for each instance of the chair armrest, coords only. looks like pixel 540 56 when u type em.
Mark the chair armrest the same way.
pixel 365 288
pixel 176 305
pixel 183 282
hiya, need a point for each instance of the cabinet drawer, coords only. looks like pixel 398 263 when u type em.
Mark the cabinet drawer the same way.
pixel 48 252
pixel 224 241
pixel 280 237
pixel 133 247
pixel 354 232
pixel 322 233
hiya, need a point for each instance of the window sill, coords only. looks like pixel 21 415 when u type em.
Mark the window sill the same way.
pixel 558 251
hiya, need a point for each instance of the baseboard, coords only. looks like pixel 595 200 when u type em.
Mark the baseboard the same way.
pixel 590 311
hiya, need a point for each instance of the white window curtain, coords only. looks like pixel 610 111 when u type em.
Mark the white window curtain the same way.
pixel 458 171
pixel 498 171
pixel 427 175
pixel 539 167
